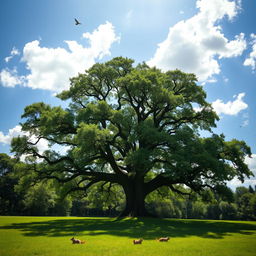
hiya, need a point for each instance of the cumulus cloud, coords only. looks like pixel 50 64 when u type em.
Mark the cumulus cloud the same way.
pixel 51 68
pixel 217 9
pixel 196 45
pixel 10 78
pixel 14 52
pixel 251 60
pixel 101 40
pixel 231 107
pixel 15 132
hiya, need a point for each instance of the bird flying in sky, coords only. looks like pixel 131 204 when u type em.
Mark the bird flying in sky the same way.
pixel 77 22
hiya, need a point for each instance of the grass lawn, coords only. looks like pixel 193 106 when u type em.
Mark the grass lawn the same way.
pixel 50 236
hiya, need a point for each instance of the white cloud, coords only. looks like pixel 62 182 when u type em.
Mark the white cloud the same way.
pixel 10 78
pixel 15 132
pixel 231 107
pixel 101 40
pixel 251 60
pixel 245 120
pixel 8 58
pixel 237 183
pixel 245 123
pixel 251 161
pixel 225 79
pixel 51 68
pixel 217 9
pixel 210 80
pixel 195 45
pixel 128 17
pixel 14 52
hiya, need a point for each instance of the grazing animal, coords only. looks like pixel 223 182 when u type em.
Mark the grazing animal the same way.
pixel 77 241
pixel 138 241
pixel 77 22
pixel 163 239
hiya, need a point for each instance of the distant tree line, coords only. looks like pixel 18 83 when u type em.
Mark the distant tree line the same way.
pixel 21 194
pixel 238 205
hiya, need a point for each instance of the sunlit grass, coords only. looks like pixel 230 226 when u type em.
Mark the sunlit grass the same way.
pixel 50 236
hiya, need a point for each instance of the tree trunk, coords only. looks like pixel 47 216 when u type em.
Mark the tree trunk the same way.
pixel 135 199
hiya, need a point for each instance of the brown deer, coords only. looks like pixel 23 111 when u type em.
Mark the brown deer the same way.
pixel 77 241
pixel 163 239
pixel 137 241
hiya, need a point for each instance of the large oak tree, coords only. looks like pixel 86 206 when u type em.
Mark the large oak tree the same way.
pixel 135 126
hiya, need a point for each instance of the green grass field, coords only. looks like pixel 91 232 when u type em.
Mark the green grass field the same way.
pixel 50 236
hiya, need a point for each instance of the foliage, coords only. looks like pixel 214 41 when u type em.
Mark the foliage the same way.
pixel 39 200
pixel 10 200
pixel 25 196
pixel 134 126
pixel 43 199
pixel 101 200
pixel 228 211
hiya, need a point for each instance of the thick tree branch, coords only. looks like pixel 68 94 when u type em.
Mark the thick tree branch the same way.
pixel 112 161
pixel 52 140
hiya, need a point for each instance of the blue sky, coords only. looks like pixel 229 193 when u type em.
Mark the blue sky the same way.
pixel 216 39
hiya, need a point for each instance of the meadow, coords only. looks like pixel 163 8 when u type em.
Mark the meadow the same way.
pixel 50 236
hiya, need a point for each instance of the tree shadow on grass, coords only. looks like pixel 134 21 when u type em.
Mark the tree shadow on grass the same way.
pixel 133 228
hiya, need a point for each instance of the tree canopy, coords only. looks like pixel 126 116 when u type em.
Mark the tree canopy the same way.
pixel 135 126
